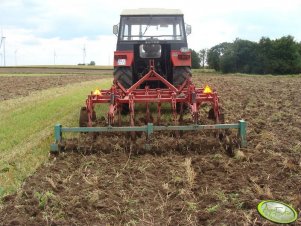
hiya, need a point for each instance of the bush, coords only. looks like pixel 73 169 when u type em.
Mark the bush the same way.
pixel 280 56
pixel 92 63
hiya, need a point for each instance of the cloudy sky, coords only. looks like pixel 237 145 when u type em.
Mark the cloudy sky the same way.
pixel 43 32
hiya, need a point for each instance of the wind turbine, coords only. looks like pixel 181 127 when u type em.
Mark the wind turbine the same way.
pixel 3 41
pixel 16 61
pixel 54 56
pixel 84 55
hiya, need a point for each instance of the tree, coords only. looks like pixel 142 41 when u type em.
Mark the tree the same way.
pixel 203 57
pixel 214 54
pixel 287 55
pixel 280 56
pixel 266 55
pixel 228 61
pixel 246 56
pixel 195 59
pixel 92 63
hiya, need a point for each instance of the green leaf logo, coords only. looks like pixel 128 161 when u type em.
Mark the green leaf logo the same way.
pixel 277 212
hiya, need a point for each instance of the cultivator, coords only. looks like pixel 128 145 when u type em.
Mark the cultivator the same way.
pixel 185 96
pixel 118 98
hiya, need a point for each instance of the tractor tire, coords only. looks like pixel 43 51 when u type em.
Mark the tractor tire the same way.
pixel 124 76
pixel 180 74
pixel 83 117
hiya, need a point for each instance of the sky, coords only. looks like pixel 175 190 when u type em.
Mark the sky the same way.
pixel 47 32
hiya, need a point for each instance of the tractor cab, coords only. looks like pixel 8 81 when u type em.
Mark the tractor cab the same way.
pixel 161 25
pixel 144 34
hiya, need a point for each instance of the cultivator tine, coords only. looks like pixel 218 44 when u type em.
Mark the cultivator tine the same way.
pixel 174 107
pixel 216 110
pixel 119 114
pixel 112 109
pixel 174 111
pixel 147 105
pixel 147 112
pixel 132 114
pixel 159 113
pixel 181 112
pixel 111 115
pixel 88 106
pixel 159 106
pixel 195 110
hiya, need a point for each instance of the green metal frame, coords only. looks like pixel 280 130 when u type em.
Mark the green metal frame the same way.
pixel 149 129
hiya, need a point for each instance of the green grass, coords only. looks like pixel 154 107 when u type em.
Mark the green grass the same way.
pixel 203 70
pixel 26 128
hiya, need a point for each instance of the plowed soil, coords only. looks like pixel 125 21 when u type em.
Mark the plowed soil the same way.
pixel 13 84
pixel 17 86
pixel 171 184
pixel 89 70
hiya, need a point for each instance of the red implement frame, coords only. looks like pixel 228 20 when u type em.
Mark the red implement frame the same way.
pixel 187 93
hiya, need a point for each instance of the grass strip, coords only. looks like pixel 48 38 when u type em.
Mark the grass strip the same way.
pixel 26 128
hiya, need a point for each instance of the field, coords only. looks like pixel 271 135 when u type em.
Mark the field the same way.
pixel 169 186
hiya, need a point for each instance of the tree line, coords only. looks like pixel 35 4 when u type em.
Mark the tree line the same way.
pixel 279 56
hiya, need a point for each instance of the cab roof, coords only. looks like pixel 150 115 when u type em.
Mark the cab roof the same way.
pixel 150 12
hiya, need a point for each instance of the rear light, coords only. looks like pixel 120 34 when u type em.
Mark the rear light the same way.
pixel 183 56
pixel 120 56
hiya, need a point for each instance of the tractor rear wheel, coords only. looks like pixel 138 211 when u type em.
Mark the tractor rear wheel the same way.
pixel 124 76
pixel 180 74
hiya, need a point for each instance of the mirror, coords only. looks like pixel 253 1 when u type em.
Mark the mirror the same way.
pixel 188 29
pixel 115 29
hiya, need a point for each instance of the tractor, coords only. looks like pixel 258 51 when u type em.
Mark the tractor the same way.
pixel 151 34
pixel 152 68
pixel 152 64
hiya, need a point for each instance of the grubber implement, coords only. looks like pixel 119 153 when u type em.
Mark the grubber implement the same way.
pixel 119 97
pixel 152 70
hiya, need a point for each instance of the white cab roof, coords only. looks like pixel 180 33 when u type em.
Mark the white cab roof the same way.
pixel 151 11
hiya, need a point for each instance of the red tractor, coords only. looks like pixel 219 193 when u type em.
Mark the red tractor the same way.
pixel 151 34
pixel 152 65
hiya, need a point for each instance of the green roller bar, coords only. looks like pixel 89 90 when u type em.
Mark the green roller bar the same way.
pixel 149 129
